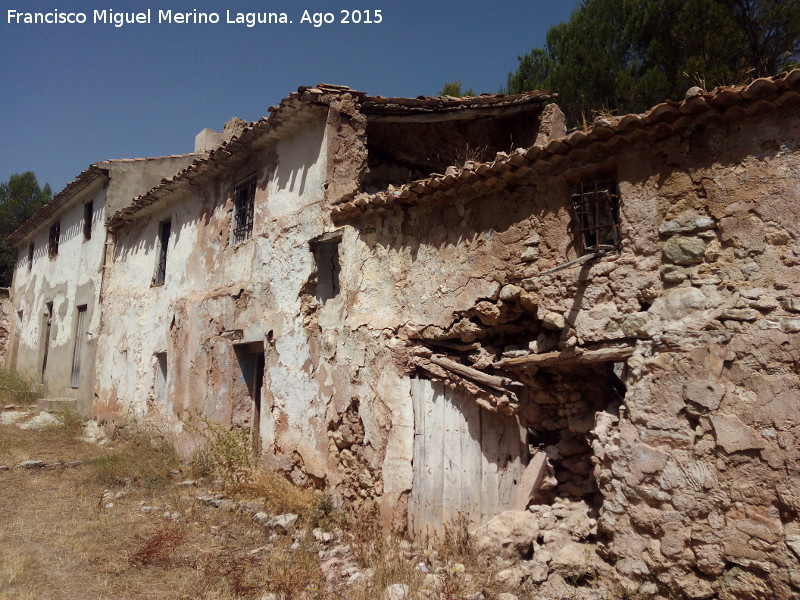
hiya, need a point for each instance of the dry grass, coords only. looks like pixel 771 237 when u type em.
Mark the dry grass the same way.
pixel 15 390
pixel 138 458
pixel 72 423
pixel 226 455
pixel 82 533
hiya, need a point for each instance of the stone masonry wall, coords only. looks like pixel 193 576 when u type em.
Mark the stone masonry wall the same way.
pixel 698 468
pixel 660 379
pixel 6 310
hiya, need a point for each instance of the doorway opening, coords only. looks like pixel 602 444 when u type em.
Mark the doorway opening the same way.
pixel 248 392
pixel 48 324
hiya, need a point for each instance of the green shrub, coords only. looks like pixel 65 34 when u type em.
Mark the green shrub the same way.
pixel 72 422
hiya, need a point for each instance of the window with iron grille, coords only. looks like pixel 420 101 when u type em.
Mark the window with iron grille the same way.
pixel 596 210
pixel 244 199
pixel 55 234
pixel 163 242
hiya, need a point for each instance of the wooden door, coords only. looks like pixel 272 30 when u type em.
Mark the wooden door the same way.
pixel 77 351
pixel 466 460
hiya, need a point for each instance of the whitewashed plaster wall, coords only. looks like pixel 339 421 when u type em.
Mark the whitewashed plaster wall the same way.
pixel 69 279
pixel 217 293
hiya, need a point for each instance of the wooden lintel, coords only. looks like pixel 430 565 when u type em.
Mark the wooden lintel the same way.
pixel 429 115
pixel 496 382
pixel 460 347
pixel 566 357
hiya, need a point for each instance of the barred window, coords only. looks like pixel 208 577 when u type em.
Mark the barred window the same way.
pixel 596 210
pixel 55 235
pixel 244 200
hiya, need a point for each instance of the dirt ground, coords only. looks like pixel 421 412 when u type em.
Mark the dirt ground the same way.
pixel 124 519
pixel 66 534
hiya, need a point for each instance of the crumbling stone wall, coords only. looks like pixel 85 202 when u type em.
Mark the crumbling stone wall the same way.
pixel 695 466
pixel 6 310
pixel 658 379
pixel 699 474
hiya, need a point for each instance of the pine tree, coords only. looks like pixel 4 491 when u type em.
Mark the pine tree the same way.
pixel 627 55
pixel 20 198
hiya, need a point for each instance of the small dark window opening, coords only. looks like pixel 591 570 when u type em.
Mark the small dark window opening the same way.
pixel 163 242
pixel 30 256
pixel 87 220
pixel 596 207
pixel 161 377
pixel 326 255
pixel 244 201
pixel 55 235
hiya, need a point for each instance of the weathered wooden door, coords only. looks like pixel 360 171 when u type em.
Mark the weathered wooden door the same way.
pixel 77 351
pixel 466 460
pixel 48 325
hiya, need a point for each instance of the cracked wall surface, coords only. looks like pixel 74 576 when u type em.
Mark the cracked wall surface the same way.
pixel 654 384
pixel 696 468
pixel 6 320
pixel 73 277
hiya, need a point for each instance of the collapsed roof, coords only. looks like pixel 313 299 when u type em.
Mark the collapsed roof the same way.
pixel 389 122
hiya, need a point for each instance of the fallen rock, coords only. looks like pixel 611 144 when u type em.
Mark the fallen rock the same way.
pixel 509 534
pixel 31 464
pixel 41 421
pixel 537 572
pixel 215 501
pixel 12 416
pixel 93 433
pixel 396 591
pixel 573 559
pixel 282 523
pixel 510 577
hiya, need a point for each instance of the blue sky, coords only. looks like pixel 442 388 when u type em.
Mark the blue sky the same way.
pixel 76 94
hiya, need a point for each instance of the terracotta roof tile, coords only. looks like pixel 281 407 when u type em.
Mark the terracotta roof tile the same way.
pixel 288 107
pixel 662 120
pixel 59 200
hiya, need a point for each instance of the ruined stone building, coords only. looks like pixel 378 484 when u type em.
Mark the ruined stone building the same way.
pixel 437 306
pixel 61 265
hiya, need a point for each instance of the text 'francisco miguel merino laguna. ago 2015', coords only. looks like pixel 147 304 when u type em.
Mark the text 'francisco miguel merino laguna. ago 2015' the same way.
pixel 145 17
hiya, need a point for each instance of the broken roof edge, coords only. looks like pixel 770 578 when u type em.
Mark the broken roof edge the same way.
pixel 112 161
pixel 725 102
pixel 82 181
pixel 380 104
pixel 320 95
pixel 279 117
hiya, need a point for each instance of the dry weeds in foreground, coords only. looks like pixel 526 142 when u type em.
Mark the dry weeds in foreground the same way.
pixel 121 521
pixel 122 525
